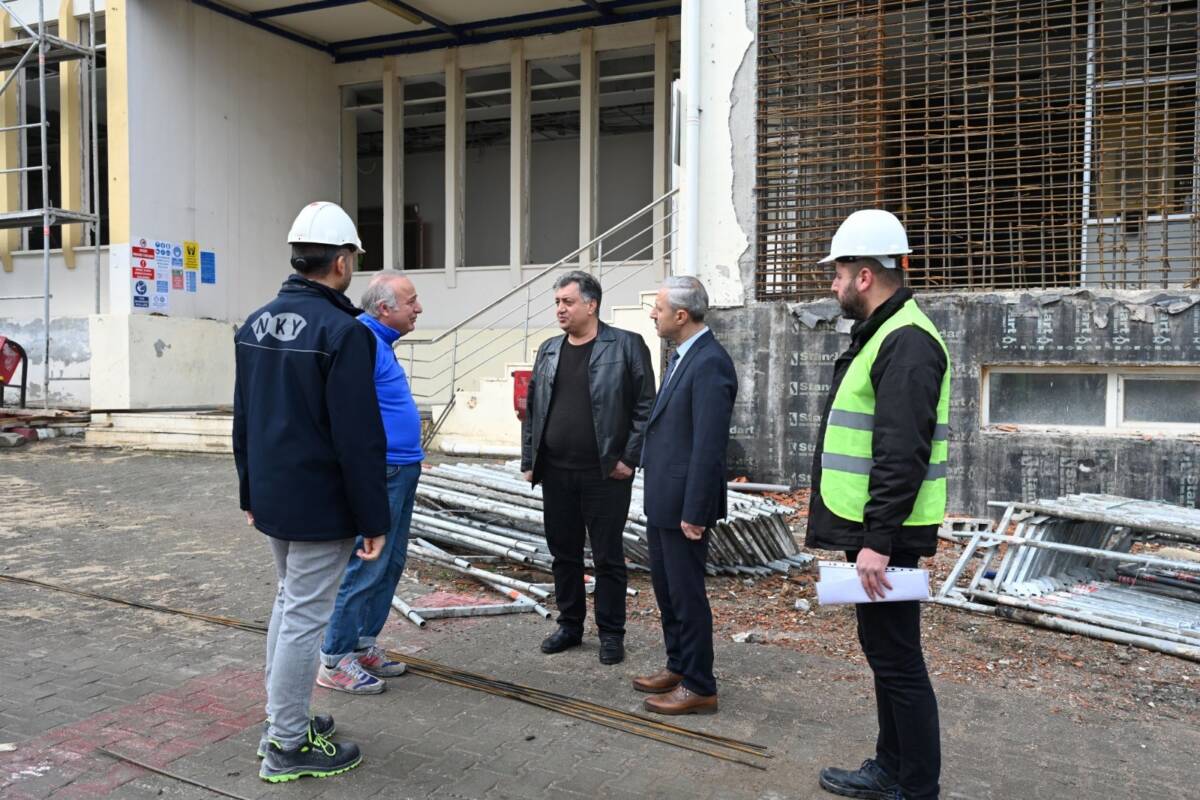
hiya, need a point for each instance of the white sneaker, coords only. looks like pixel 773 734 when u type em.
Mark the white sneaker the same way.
pixel 349 677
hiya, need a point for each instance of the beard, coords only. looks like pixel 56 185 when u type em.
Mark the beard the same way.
pixel 853 306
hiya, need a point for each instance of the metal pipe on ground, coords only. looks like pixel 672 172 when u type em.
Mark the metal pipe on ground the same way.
pixel 477 544
pixel 407 611
pixel 470 530
pixel 466 569
pixel 1081 616
pixel 1190 652
pixel 489 610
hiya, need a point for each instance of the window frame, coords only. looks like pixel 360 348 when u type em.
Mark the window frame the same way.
pixel 1114 398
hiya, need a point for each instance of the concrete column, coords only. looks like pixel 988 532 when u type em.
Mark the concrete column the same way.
pixel 662 128
pixel 10 158
pixel 589 109
pixel 455 176
pixel 393 168
pixel 518 163
pixel 349 162
pixel 70 145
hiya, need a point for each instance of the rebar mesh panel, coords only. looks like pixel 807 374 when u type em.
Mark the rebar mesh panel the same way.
pixel 1024 144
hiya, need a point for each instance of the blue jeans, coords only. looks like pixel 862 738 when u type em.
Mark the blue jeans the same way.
pixel 365 596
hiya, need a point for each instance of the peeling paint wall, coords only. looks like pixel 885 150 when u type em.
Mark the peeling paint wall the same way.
pixel 70 353
pixel 727 131
pixel 785 357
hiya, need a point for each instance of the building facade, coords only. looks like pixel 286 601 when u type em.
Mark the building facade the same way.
pixel 1043 156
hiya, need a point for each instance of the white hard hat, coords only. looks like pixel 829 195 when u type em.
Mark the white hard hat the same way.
pixel 324 223
pixel 870 233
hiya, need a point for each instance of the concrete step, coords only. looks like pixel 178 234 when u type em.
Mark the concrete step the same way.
pixel 179 431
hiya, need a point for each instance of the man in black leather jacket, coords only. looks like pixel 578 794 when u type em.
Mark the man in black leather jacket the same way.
pixel 589 402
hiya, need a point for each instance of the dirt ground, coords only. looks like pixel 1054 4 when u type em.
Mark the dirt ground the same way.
pixel 1074 674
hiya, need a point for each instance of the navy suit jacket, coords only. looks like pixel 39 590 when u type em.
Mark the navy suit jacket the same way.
pixel 683 455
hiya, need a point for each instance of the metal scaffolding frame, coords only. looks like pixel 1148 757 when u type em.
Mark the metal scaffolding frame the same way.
pixel 1026 144
pixel 16 57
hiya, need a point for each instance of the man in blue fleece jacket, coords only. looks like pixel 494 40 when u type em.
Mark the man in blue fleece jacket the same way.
pixel 351 661
pixel 310 452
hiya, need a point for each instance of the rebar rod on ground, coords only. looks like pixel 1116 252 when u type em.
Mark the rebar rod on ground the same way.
pixel 630 722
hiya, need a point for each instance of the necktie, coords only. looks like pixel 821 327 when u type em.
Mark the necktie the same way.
pixel 671 362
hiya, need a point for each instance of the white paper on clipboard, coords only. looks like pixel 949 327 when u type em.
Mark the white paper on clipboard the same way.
pixel 838 582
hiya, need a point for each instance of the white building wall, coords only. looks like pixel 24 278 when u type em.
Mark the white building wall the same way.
pixel 232 132
pixel 73 298
pixel 73 291
pixel 727 129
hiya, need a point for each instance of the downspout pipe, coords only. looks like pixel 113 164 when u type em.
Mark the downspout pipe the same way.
pixel 691 138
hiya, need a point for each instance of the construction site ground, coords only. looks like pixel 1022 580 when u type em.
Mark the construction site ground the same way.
pixel 1026 713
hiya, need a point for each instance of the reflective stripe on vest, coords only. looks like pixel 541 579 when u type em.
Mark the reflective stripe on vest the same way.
pixel 846 458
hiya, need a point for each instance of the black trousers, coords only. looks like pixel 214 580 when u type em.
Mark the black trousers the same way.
pixel 909 743
pixel 677 571
pixel 579 503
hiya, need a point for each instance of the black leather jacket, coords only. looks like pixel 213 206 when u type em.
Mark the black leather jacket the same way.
pixel 621 382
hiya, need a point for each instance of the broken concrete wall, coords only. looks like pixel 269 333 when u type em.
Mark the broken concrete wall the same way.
pixel 70 353
pixel 785 357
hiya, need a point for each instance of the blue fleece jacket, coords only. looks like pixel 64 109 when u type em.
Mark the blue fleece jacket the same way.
pixel 401 421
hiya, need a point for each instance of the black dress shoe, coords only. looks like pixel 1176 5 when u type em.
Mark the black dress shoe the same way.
pixel 561 639
pixel 868 781
pixel 612 649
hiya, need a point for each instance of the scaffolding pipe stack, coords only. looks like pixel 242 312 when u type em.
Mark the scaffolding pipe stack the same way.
pixel 491 509
pixel 1068 566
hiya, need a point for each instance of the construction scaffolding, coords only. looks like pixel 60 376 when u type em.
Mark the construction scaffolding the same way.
pixel 37 48
pixel 1025 143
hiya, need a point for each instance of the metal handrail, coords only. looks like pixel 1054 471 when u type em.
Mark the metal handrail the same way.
pixel 495 324
pixel 531 280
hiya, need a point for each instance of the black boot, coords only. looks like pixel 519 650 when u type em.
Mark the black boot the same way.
pixel 868 781
pixel 612 649
pixel 561 639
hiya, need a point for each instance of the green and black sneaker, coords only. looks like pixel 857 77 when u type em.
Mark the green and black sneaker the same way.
pixel 317 758
pixel 321 724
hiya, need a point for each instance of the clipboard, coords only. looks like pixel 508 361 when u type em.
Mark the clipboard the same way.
pixel 838 583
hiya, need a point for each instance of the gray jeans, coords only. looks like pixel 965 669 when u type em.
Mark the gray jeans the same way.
pixel 309 574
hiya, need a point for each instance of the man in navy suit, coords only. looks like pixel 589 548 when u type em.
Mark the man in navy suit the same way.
pixel 683 457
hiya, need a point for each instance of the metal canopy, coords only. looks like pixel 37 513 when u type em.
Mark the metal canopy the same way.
pixel 355 30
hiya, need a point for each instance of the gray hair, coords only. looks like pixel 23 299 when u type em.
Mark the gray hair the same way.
pixel 687 293
pixel 589 287
pixel 380 292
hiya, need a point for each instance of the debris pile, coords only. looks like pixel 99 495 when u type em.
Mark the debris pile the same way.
pixel 1070 565
pixel 19 426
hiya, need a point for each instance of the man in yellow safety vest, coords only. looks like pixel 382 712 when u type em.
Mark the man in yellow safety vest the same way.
pixel 879 491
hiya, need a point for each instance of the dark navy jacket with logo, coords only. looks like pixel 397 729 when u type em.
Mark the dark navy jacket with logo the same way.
pixel 308 439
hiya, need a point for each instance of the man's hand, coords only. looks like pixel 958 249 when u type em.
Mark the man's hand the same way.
pixel 371 548
pixel 621 472
pixel 250 518
pixel 693 532
pixel 528 475
pixel 870 567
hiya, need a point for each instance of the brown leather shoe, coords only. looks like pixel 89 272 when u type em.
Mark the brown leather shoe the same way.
pixel 662 681
pixel 682 700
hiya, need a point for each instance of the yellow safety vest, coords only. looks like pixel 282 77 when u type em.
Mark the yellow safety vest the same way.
pixel 846 458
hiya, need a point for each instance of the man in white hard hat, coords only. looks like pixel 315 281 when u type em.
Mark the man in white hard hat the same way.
pixel 879 491
pixel 309 446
